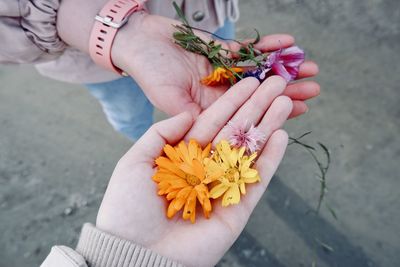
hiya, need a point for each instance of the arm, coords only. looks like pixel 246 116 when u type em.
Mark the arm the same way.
pixel 143 48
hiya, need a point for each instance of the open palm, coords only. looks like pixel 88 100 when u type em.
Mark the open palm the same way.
pixel 169 75
pixel 131 208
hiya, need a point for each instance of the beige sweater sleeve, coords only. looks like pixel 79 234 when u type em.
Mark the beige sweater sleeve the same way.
pixel 99 249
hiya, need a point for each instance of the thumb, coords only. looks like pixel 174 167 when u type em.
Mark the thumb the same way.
pixel 174 99
pixel 169 131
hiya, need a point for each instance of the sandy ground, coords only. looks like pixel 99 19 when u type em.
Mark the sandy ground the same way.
pixel 57 151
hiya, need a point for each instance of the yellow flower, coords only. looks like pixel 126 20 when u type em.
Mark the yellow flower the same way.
pixel 181 177
pixel 234 171
pixel 221 76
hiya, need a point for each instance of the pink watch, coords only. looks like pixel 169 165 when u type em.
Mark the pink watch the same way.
pixel 112 17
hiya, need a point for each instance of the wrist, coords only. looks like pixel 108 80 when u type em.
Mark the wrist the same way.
pixel 126 39
pixel 74 26
pixel 75 19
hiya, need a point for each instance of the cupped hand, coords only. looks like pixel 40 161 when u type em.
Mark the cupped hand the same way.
pixel 131 208
pixel 170 76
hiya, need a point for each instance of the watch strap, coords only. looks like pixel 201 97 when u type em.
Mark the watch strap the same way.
pixel 111 18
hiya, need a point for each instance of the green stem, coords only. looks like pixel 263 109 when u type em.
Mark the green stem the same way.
pixel 323 169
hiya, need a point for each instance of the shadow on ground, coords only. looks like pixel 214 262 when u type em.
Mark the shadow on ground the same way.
pixel 316 232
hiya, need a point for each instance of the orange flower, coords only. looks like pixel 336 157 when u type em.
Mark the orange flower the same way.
pixel 181 177
pixel 221 76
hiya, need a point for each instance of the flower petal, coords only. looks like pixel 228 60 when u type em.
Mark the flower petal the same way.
pixel 185 167
pixel 232 196
pixel 250 173
pixel 292 56
pixel 171 211
pixel 198 169
pixel 163 176
pixel 218 190
pixel 293 71
pixel 169 165
pixel 192 149
pixel 243 188
pixel 184 193
pixel 206 151
pixel 171 153
pixel 252 179
pixel 207 208
pixel 279 69
pixel 233 157
pixel 190 206
pixel 178 203
pixel 172 195
pixel 184 150
pixel 179 183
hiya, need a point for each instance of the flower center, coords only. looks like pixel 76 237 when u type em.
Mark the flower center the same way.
pixel 192 180
pixel 232 174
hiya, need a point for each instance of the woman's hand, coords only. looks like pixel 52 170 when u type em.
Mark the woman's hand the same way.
pixel 169 75
pixel 131 208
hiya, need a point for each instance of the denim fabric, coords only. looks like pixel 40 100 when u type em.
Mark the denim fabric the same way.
pixel 125 105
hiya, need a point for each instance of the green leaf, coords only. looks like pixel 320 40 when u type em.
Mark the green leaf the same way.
pixel 304 134
pixel 178 36
pixel 258 37
pixel 189 37
pixel 296 141
pixel 215 50
pixel 243 50
pixel 180 14
pixel 328 155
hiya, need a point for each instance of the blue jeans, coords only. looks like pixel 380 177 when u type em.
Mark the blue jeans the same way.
pixel 126 107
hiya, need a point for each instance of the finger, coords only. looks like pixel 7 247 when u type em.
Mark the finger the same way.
pixel 303 90
pixel 211 120
pixel 169 131
pixel 274 42
pixel 308 69
pixel 276 116
pixel 254 109
pixel 299 108
pixel 267 164
pixel 267 43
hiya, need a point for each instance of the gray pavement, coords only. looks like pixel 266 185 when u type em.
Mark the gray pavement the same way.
pixel 57 151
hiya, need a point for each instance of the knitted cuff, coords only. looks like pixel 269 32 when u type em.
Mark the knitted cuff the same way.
pixel 101 249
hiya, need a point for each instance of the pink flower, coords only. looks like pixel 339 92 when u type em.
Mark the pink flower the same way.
pixel 242 135
pixel 285 62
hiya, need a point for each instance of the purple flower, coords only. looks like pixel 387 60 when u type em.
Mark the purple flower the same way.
pixel 284 62
pixel 259 73
pixel 243 135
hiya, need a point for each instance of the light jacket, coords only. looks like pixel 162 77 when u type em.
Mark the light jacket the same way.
pixel 28 35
